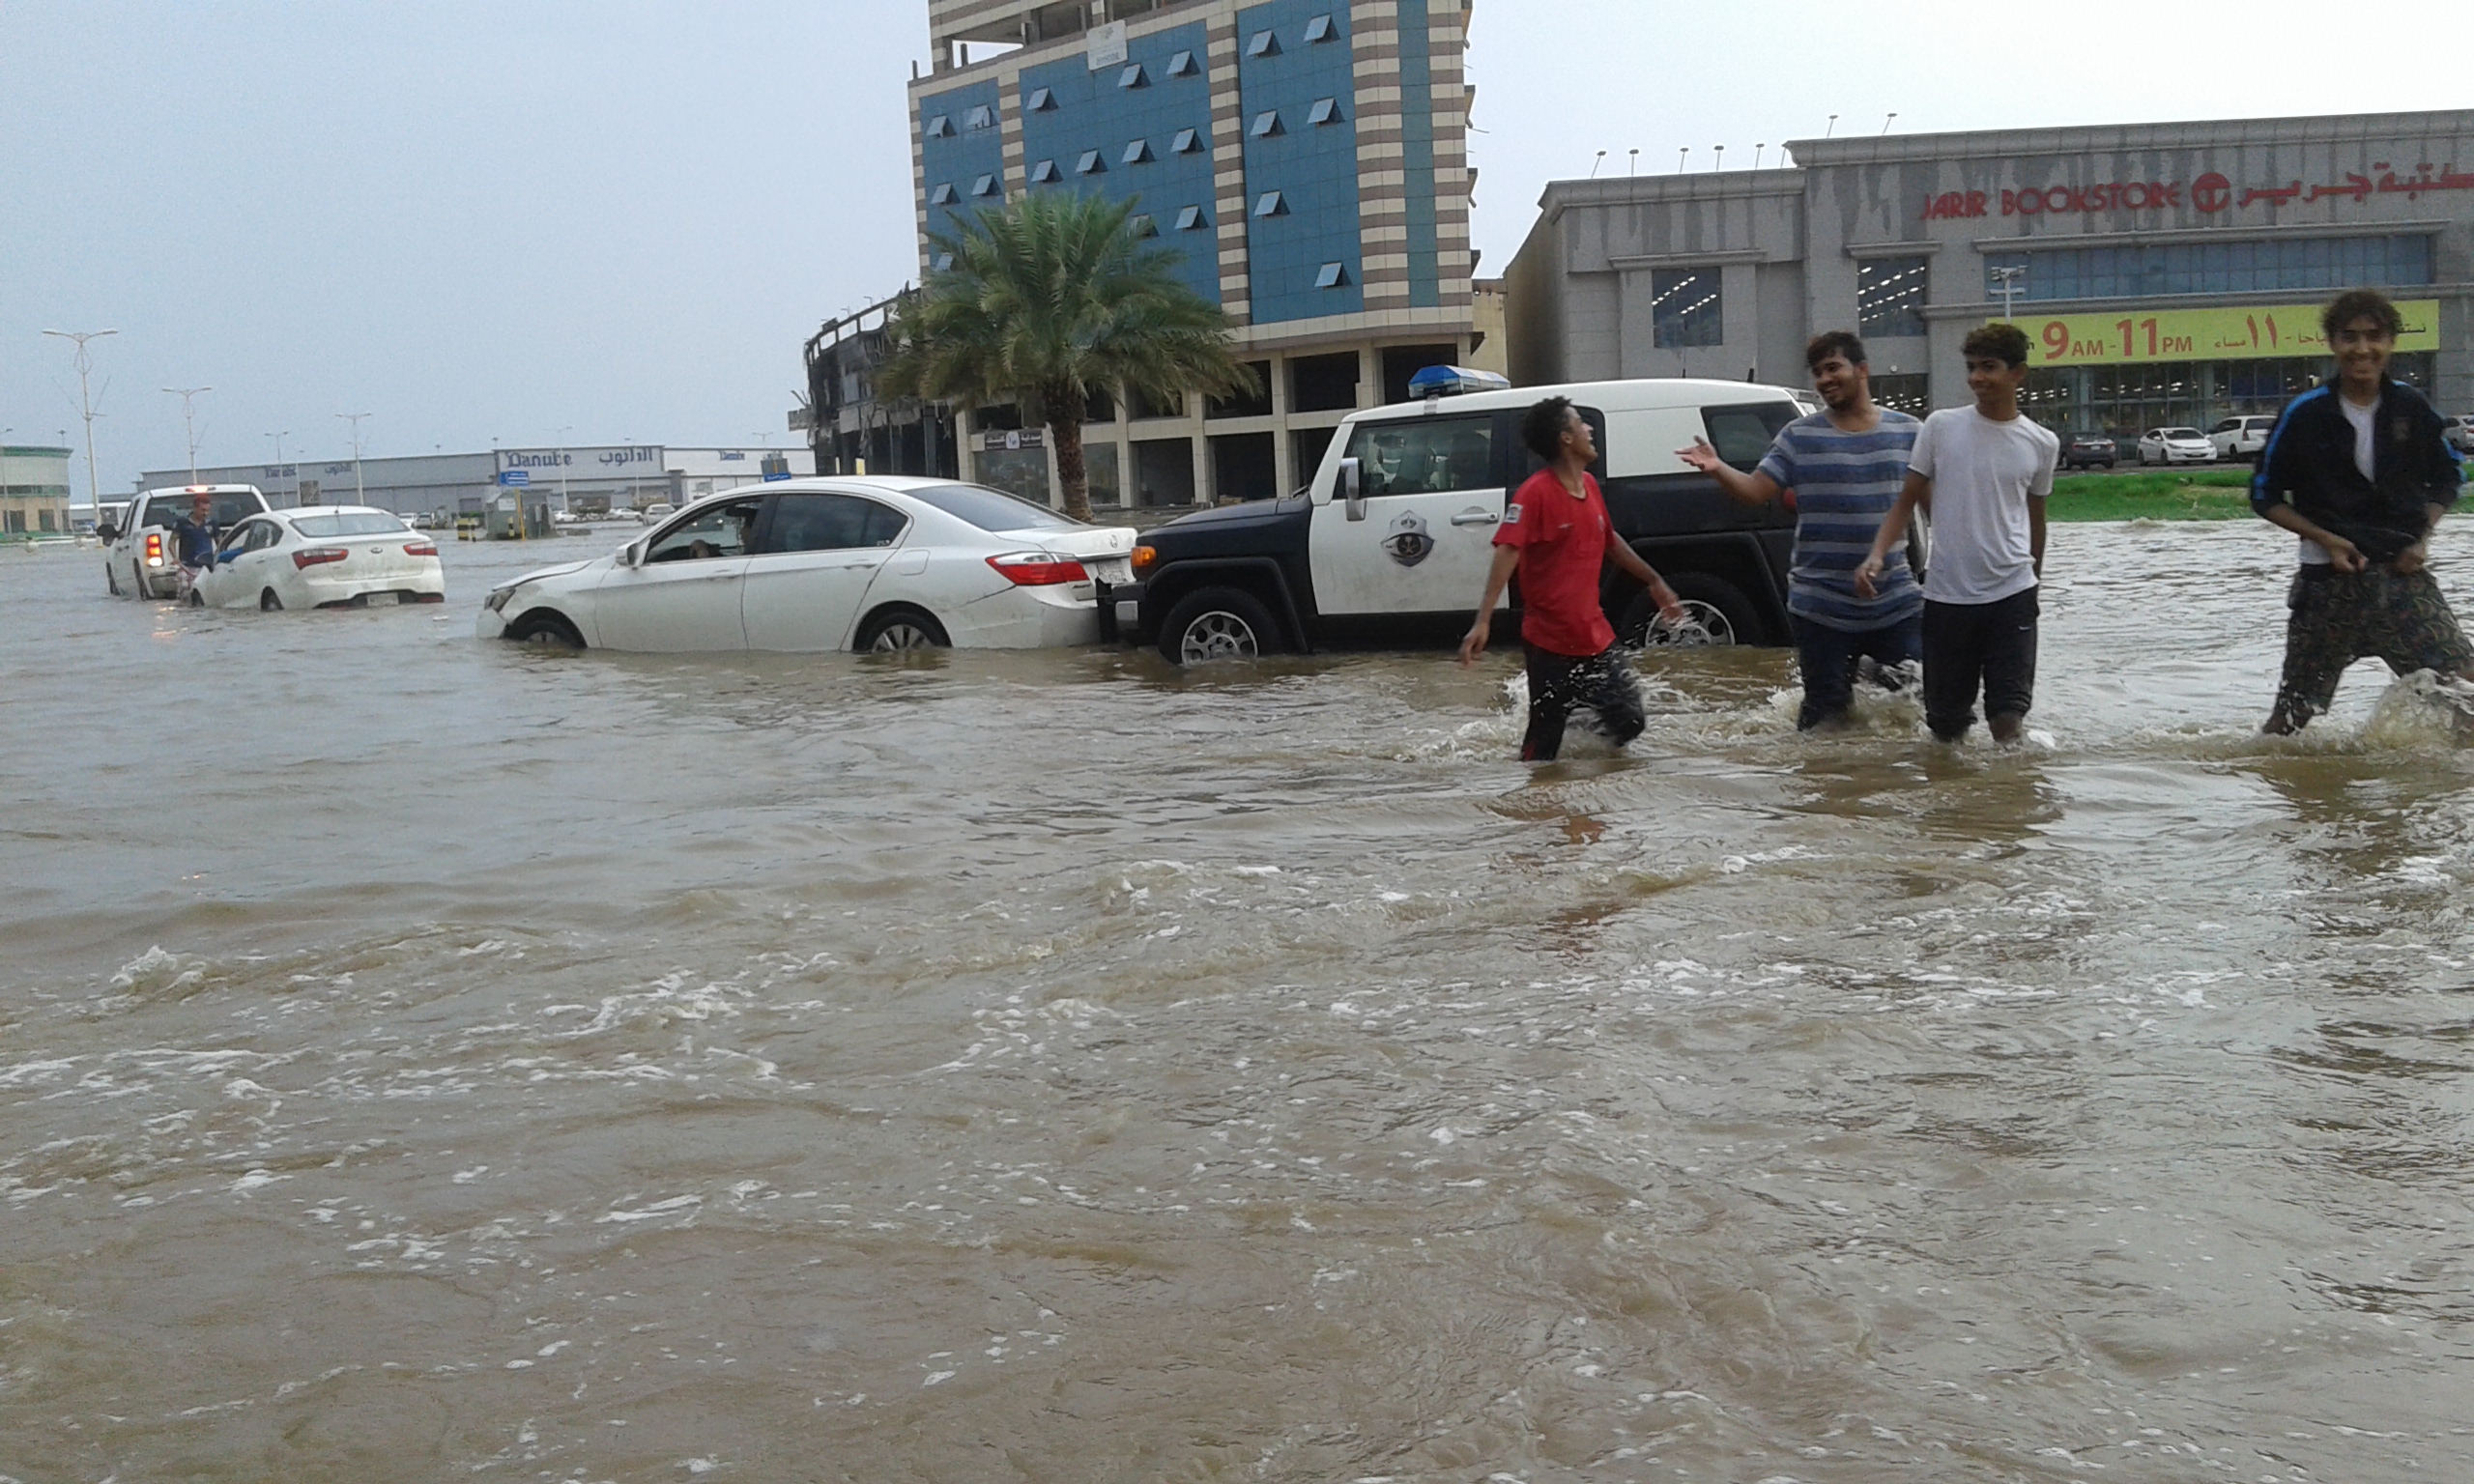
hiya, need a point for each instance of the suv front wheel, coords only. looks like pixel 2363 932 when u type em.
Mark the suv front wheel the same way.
pixel 1218 623
pixel 1718 613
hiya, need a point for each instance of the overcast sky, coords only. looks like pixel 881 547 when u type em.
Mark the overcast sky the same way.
pixel 479 219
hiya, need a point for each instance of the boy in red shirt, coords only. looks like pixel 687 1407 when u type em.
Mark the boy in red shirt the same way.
pixel 1556 532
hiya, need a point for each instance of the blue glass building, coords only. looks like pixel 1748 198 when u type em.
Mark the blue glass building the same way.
pixel 1306 158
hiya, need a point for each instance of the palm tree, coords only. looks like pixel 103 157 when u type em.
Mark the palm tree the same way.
pixel 1046 298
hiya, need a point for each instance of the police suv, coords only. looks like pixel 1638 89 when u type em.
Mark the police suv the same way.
pixel 1392 541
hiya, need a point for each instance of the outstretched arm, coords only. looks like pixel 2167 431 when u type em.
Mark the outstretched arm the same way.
pixel 1916 495
pixel 1498 577
pixel 1632 563
pixel 1752 489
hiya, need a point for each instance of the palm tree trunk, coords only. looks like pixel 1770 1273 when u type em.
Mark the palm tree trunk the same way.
pixel 1072 471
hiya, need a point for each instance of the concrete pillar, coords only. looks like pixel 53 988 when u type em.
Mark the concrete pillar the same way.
pixel 1281 441
pixel 1370 377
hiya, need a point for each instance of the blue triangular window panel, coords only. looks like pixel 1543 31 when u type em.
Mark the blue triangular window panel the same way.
pixel 980 117
pixel 1326 110
pixel 1142 226
pixel 1133 78
pixel 1266 44
pixel 943 195
pixel 1188 142
pixel 1182 65
pixel 1319 29
pixel 1041 100
pixel 1335 275
pixel 1266 125
pixel 944 262
pixel 1271 204
pixel 1137 152
pixel 1090 164
pixel 941 126
pixel 1044 173
pixel 986 186
pixel 1191 219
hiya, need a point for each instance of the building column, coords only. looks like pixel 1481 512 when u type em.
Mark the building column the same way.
pixel 1280 439
pixel 1370 377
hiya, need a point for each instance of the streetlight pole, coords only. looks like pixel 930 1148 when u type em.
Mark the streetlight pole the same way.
pixel 189 397
pixel 562 467
pixel 276 472
pixel 359 495
pixel 85 362
pixel 2006 284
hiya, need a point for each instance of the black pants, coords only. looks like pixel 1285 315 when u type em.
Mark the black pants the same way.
pixel 1972 646
pixel 1829 658
pixel 1558 683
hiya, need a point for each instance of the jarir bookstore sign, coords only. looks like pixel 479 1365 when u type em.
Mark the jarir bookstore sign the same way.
pixel 2211 193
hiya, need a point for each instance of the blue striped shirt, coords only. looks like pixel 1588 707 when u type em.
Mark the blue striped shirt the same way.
pixel 1845 485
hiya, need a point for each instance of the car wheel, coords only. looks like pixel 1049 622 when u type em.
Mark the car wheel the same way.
pixel 269 603
pixel 1218 623
pixel 900 629
pixel 1718 613
pixel 548 630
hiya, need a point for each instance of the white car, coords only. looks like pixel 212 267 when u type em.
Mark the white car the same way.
pixel 2241 437
pixel 323 557
pixel 655 513
pixel 2175 445
pixel 2459 433
pixel 872 563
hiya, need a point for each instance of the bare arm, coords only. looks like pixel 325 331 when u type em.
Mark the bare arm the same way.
pixel 2037 533
pixel 1498 578
pixel 1632 563
pixel 1752 489
pixel 1916 495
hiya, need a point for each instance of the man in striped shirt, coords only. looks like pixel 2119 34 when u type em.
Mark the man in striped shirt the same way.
pixel 1845 466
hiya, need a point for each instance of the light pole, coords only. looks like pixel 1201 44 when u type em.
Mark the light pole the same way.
pixel 1593 164
pixel 189 397
pixel 1721 151
pixel 85 362
pixel 1887 123
pixel 2005 282
pixel 276 472
pixel 359 495
pixel 562 466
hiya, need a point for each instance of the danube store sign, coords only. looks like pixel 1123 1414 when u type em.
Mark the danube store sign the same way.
pixel 2251 332
pixel 2209 194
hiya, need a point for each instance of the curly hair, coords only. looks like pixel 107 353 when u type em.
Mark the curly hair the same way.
pixel 1542 429
pixel 2000 339
pixel 1834 342
pixel 2361 305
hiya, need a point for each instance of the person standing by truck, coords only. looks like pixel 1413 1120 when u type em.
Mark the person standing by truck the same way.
pixel 1984 472
pixel 1847 465
pixel 195 531
pixel 1557 536
pixel 2360 469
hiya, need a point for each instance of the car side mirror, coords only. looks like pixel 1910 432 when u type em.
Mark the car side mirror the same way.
pixel 1353 488
pixel 107 534
pixel 632 554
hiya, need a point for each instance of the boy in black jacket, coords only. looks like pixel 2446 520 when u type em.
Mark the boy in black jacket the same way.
pixel 2360 469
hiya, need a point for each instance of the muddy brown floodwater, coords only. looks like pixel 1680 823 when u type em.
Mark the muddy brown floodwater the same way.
pixel 423 1060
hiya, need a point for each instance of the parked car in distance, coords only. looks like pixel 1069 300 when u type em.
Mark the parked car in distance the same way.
pixel 142 557
pixel 2174 446
pixel 2241 437
pixel 1392 541
pixel 660 510
pixel 872 563
pixel 323 557
pixel 2461 434
pixel 2089 451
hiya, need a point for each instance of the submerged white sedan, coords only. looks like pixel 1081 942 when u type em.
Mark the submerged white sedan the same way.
pixel 808 565
pixel 323 557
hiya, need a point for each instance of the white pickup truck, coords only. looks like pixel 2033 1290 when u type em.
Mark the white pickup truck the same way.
pixel 142 559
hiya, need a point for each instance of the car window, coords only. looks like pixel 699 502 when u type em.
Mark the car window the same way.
pixel 2226 426
pixel 256 536
pixel 831 522
pixel 1430 456
pixel 1743 433
pixel 323 528
pixel 991 510
pixel 717 531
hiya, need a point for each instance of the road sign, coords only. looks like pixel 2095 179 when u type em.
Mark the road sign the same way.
pixel 515 476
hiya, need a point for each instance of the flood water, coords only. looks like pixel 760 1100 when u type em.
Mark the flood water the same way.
pixel 425 1059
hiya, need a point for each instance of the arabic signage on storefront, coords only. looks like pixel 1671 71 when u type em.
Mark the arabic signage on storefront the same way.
pixel 2209 194
pixel 2244 332
pixel 634 461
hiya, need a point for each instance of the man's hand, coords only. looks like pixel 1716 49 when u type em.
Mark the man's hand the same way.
pixel 1702 456
pixel 2344 555
pixel 1864 576
pixel 1670 607
pixel 1475 643
pixel 2412 559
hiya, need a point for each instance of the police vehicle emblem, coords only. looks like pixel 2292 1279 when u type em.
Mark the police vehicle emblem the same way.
pixel 1408 541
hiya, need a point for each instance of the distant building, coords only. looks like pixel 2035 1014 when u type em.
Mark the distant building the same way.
pixel 1310 158
pixel 2166 274
pixel 849 430
pixel 587 481
pixel 33 489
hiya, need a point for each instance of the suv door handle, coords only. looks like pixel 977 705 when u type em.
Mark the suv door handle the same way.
pixel 1477 518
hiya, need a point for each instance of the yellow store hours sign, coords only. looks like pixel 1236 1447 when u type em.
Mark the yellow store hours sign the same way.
pixel 2246 333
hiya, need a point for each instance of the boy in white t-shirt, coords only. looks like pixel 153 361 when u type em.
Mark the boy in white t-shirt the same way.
pixel 1984 472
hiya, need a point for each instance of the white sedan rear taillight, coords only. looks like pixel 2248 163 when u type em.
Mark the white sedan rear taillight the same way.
pixel 423 549
pixel 318 557
pixel 1039 569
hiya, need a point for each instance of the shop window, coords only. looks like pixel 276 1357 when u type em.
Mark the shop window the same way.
pixel 1890 296
pixel 1256 402
pixel 1687 308
pixel 1323 384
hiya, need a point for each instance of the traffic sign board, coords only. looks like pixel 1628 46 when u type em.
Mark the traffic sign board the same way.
pixel 515 476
